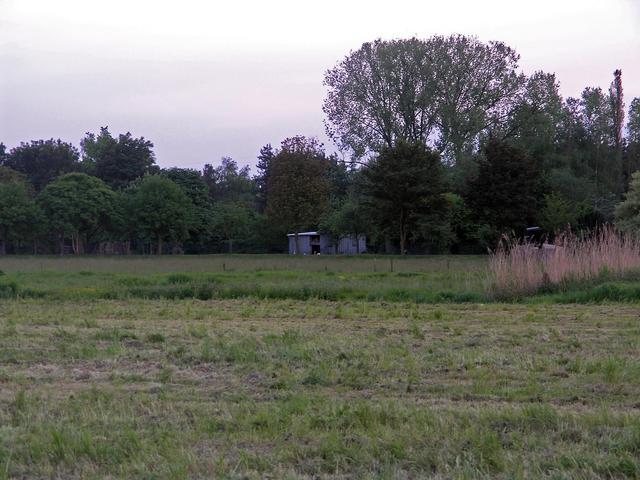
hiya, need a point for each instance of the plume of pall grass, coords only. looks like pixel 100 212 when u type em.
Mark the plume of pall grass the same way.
pixel 518 267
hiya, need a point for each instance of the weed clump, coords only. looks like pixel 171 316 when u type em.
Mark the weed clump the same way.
pixel 155 338
pixel 179 278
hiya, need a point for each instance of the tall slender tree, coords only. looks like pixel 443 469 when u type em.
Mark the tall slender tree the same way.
pixel 633 127
pixel 616 101
pixel 262 178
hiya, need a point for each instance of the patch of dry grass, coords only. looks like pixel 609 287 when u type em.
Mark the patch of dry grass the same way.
pixel 518 268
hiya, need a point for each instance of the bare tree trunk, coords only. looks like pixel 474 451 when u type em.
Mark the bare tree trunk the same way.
pixel 77 243
pixel 3 247
pixel 159 245
pixel 387 244
pixel 231 245
pixel 297 242
pixel 80 245
pixel 403 233
pixel 403 239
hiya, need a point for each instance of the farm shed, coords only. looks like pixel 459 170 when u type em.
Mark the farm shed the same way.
pixel 314 243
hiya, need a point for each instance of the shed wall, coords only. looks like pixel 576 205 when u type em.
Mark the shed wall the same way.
pixel 304 242
pixel 345 246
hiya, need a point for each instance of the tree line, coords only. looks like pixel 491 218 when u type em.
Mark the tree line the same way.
pixel 444 145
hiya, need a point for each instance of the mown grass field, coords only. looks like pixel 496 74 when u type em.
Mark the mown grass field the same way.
pixel 98 379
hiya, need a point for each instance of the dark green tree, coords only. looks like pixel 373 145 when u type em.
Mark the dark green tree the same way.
pixel 298 185
pixel 534 121
pixel 558 213
pixel 77 207
pixel 10 175
pixel 572 194
pixel 229 182
pixel 508 193
pixel 43 160
pixel 231 221
pixel 596 116
pixel 628 211
pixel 161 211
pixel 449 229
pixel 631 155
pixel 117 161
pixel 194 186
pixel 262 177
pixel 402 186
pixel 345 217
pixel 633 125
pixel 341 177
pixel 19 214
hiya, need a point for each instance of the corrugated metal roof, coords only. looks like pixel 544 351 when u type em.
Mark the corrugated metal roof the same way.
pixel 302 234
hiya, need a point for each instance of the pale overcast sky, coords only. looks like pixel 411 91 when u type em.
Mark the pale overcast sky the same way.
pixel 206 79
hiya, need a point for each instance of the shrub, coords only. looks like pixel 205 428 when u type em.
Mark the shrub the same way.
pixel 8 289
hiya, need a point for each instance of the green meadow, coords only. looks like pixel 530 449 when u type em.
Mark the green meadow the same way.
pixel 414 279
pixel 281 367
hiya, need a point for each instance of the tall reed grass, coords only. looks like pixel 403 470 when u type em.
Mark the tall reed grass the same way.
pixel 518 268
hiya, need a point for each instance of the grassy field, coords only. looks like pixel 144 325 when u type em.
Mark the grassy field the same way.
pixel 137 264
pixel 412 279
pixel 128 385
